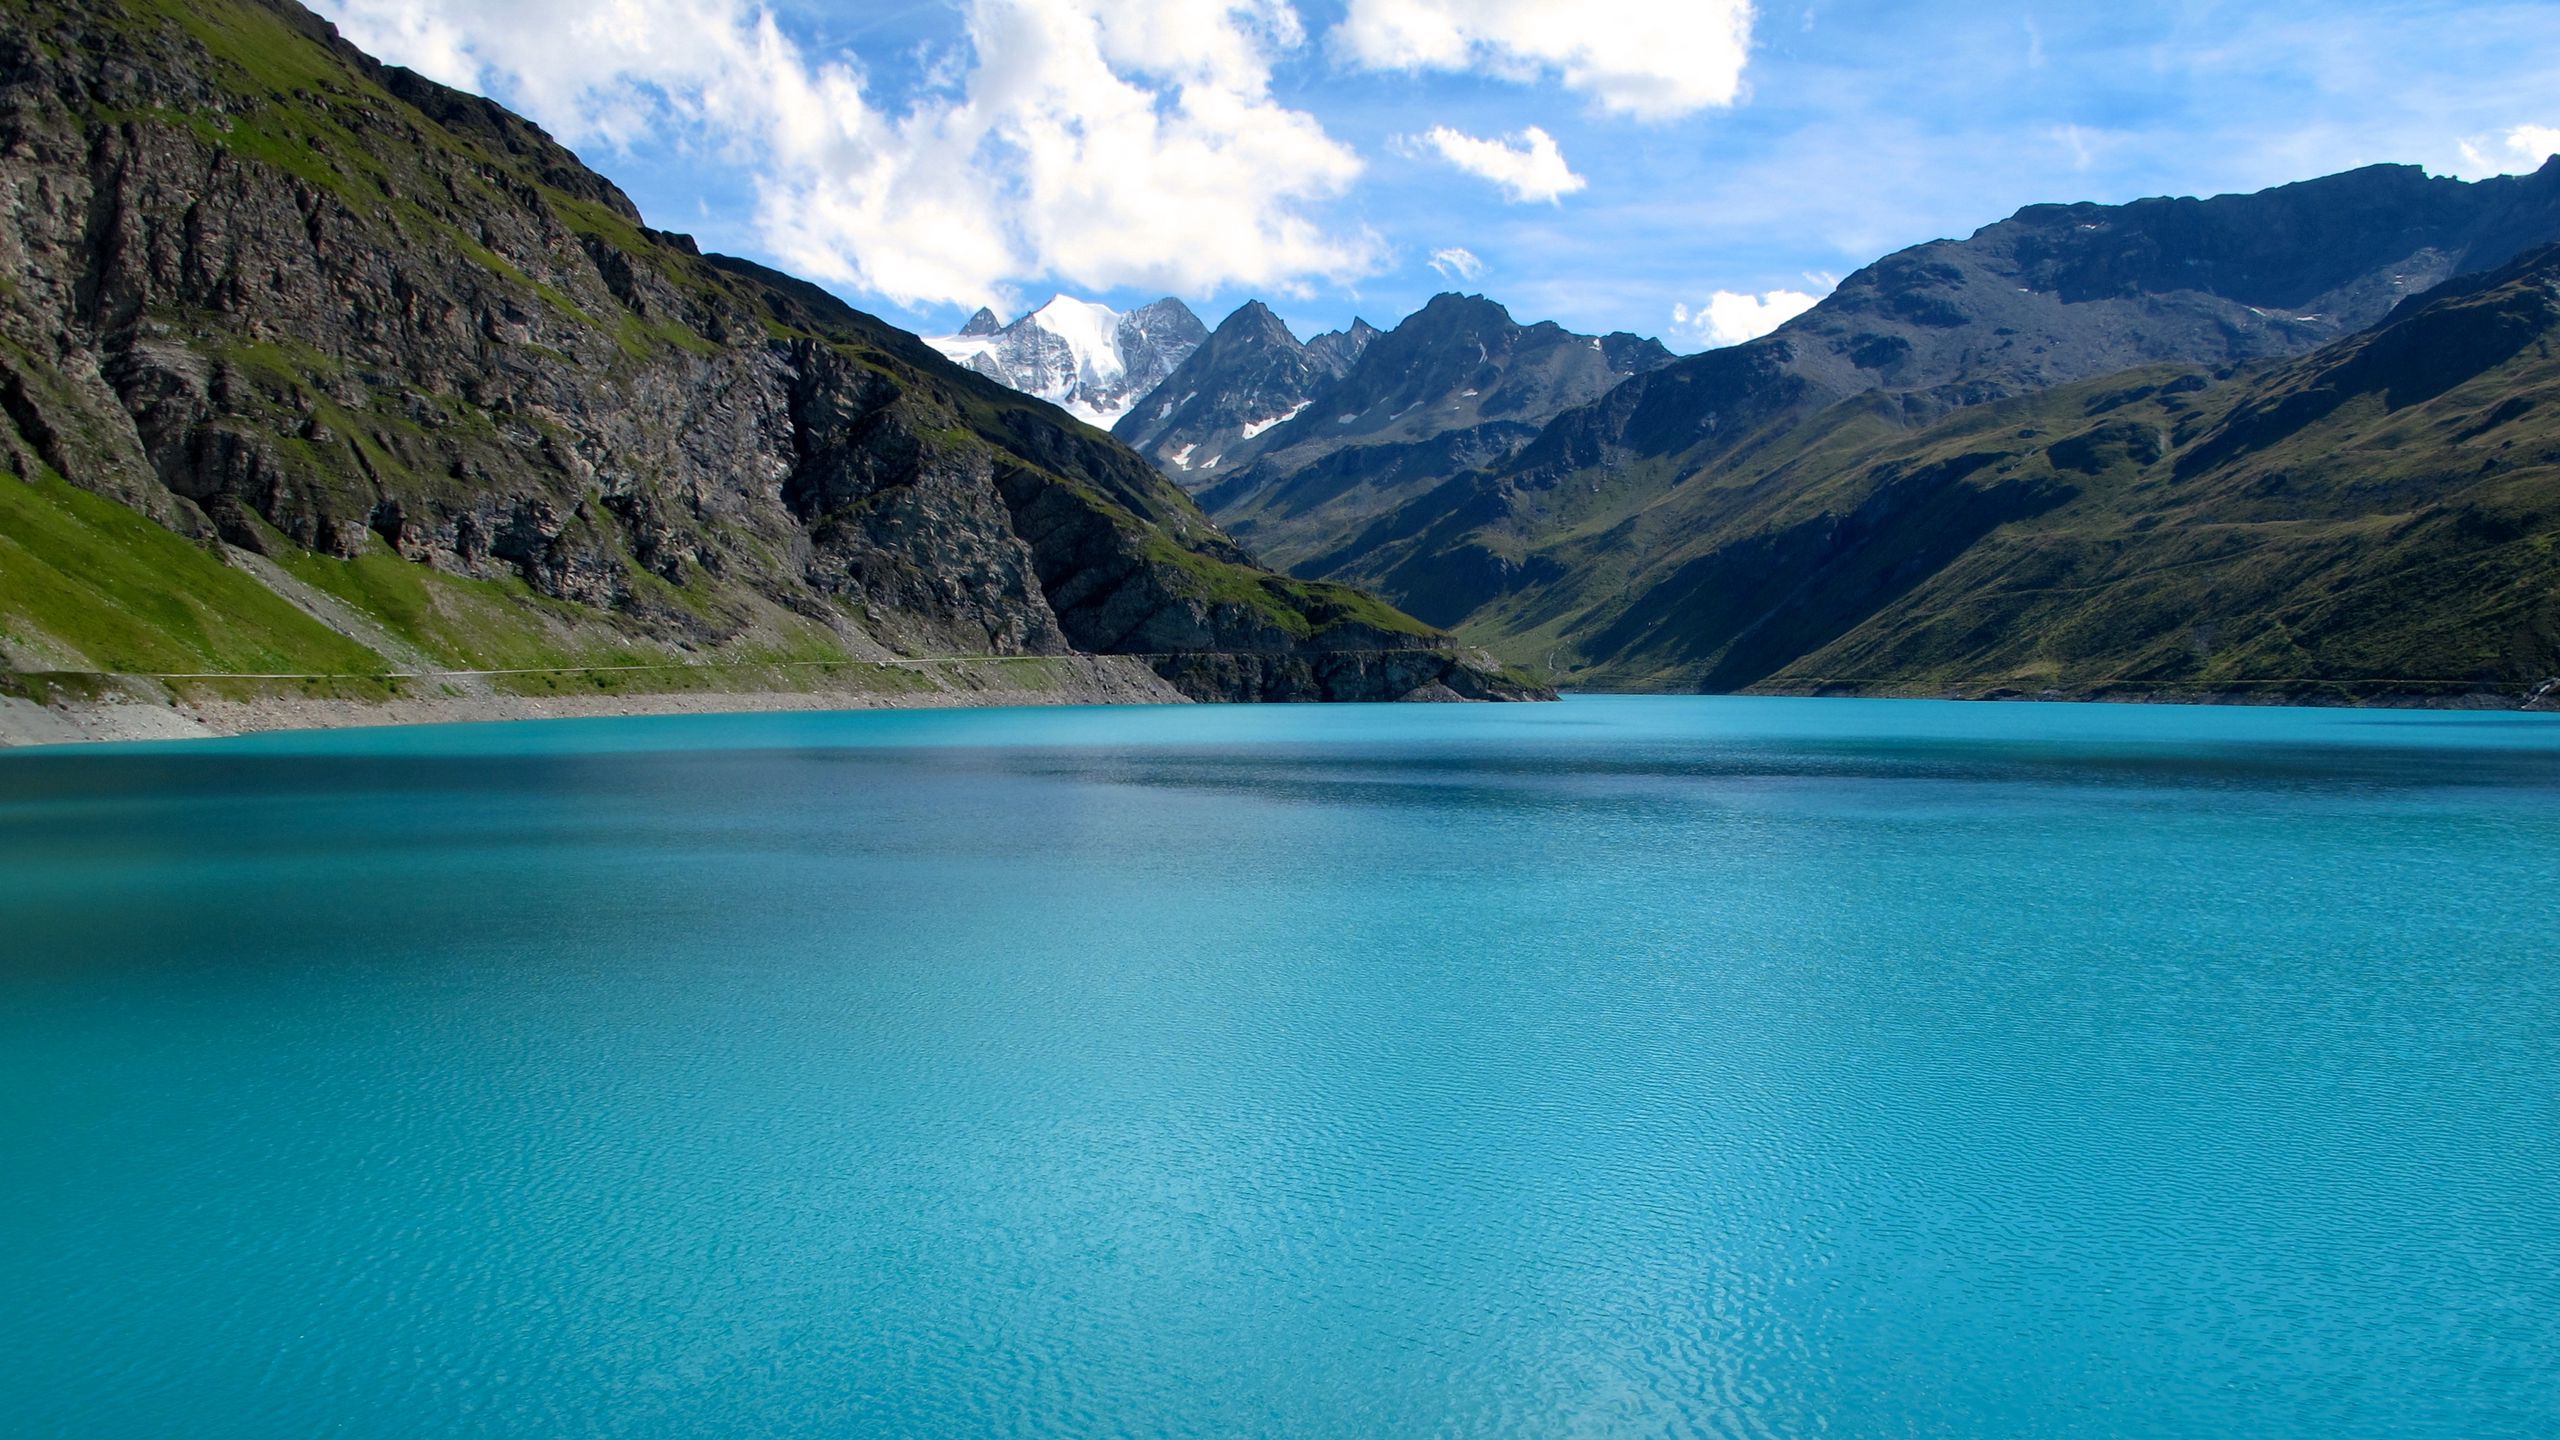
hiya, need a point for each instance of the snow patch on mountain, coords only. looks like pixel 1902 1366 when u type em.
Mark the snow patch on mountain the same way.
pixel 1256 427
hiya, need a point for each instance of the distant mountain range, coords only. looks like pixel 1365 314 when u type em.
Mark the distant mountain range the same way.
pixel 1458 385
pixel 1548 494
pixel 1210 417
pixel 2377 519
pixel 1294 442
pixel 1090 360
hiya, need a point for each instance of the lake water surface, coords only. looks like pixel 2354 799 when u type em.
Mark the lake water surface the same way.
pixel 1618 1067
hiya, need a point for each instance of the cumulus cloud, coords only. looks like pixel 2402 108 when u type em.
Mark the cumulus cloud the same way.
pixel 1527 167
pixel 1730 317
pixel 1097 143
pixel 1456 264
pixel 1652 59
pixel 2519 151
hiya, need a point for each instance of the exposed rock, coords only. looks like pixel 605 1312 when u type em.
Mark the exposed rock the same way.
pixel 1457 386
pixel 263 287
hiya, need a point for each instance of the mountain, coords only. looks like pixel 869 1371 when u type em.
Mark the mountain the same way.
pixel 1536 550
pixel 1458 385
pixel 1339 350
pixel 2377 520
pixel 1088 359
pixel 1250 377
pixel 316 371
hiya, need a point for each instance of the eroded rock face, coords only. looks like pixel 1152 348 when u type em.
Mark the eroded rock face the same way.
pixel 1208 418
pixel 1295 448
pixel 262 287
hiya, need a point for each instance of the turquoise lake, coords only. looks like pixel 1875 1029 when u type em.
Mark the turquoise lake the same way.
pixel 1620 1067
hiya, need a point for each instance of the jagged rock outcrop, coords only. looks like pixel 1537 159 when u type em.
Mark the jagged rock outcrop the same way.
pixel 1457 386
pixel 1088 359
pixel 1213 414
pixel 262 288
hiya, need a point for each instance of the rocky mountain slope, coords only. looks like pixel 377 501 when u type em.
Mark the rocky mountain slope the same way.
pixel 1211 416
pixel 313 369
pixel 2379 519
pixel 1515 552
pixel 1458 385
pixel 1090 360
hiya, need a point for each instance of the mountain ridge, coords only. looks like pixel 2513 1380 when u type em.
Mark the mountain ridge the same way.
pixel 2052 295
pixel 424 383
pixel 1088 359
pixel 1250 376
pixel 2377 520
pixel 1300 444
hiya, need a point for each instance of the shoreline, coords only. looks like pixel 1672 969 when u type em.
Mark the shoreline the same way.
pixel 2320 698
pixel 2275 694
pixel 128 708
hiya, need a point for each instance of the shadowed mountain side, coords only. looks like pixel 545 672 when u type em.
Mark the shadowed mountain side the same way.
pixel 429 386
pixel 1212 415
pixel 1744 611
pixel 2378 520
pixel 1457 386
pixel 2055 295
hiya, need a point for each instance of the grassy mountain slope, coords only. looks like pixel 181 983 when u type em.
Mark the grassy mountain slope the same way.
pixel 2378 519
pixel 2055 295
pixel 381 356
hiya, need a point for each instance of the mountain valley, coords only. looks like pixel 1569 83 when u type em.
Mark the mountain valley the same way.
pixel 1641 521
pixel 325 382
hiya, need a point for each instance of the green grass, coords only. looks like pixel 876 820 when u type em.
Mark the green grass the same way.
pixel 1302 608
pixel 123 594
pixel 2375 550
pixel 464 623
pixel 503 625
pixel 266 52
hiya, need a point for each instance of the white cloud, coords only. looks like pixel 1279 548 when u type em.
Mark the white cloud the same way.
pixel 1730 317
pixel 1096 143
pixel 2075 140
pixel 1456 264
pixel 2519 151
pixel 1528 167
pixel 1652 59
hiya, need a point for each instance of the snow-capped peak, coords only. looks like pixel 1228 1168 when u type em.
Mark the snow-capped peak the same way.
pixel 1089 358
pixel 1092 333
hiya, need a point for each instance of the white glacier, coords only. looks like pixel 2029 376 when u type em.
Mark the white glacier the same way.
pixel 1087 358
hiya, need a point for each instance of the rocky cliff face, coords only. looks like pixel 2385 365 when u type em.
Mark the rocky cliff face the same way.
pixel 1338 350
pixel 269 292
pixel 1215 413
pixel 1457 386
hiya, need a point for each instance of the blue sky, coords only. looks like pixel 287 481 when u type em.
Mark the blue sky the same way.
pixel 1265 148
